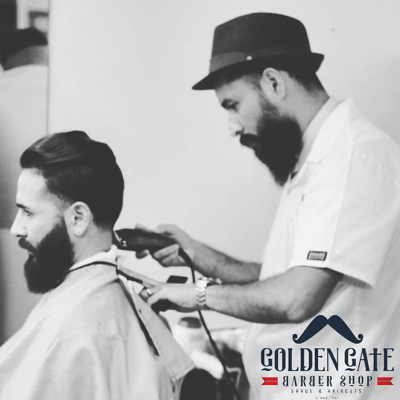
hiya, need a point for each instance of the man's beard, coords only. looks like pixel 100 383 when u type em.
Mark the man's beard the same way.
pixel 49 260
pixel 278 142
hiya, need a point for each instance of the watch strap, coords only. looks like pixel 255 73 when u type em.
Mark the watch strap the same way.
pixel 201 287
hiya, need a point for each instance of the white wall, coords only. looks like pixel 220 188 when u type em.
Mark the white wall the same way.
pixel 25 6
pixel 123 71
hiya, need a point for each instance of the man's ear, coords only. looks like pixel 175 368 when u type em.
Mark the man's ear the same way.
pixel 273 85
pixel 78 218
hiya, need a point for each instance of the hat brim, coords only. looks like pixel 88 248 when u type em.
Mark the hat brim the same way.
pixel 294 61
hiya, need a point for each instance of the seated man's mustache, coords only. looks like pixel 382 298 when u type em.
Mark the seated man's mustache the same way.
pixel 335 322
pixel 249 140
pixel 24 244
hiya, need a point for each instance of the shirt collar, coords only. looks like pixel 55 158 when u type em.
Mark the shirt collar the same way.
pixel 313 128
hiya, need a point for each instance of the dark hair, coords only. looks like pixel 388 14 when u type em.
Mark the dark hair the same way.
pixel 77 168
pixel 15 40
pixel 305 77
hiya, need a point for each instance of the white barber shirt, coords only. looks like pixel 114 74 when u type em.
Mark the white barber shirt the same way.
pixel 340 211
pixel 92 338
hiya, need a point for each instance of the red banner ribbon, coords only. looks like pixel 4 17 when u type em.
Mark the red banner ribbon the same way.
pixel 270 381
pixel 385 381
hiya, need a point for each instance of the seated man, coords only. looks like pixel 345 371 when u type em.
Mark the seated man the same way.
pixel 90 337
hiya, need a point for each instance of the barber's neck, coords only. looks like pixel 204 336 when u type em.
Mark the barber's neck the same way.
pixel 308 105
pixel 95 241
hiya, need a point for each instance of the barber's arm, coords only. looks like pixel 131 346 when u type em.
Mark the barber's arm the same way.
pixel 294 296
pixel 206 260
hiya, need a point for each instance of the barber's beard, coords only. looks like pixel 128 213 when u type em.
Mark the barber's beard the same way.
pixel 49 260
pixel 278 142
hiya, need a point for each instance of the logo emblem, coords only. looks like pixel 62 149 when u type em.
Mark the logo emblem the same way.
pixel 317 255
pixel 319 323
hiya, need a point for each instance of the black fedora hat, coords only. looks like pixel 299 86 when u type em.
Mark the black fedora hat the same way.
pixel 259 40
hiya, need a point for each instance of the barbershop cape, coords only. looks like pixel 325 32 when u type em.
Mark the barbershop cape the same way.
pixel 92 338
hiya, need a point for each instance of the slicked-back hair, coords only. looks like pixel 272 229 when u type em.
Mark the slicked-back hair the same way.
pixel 77 168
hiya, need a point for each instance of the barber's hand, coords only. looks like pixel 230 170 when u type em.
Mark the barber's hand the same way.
pixel 165 296
pixel 170 296
pixel 169 257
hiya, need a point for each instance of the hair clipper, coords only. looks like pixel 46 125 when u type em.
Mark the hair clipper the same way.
pixel 139 239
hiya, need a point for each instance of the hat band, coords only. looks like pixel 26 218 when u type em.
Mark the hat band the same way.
pixel 225 60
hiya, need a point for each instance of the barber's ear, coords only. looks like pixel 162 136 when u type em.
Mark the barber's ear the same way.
pixel 78 217
pixel 272 84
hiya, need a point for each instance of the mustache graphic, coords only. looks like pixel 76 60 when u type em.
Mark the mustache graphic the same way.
pixel 335 322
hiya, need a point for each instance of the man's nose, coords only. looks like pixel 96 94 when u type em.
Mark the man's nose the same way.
pixel 17 228
pixel 234 126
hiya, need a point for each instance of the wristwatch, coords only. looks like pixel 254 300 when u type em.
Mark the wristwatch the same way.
pixel 201 286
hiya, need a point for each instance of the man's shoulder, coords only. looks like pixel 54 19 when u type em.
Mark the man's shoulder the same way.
pixel 89 307
pixel 358 139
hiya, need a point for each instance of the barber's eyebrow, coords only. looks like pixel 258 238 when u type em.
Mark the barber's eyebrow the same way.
pixel 22 207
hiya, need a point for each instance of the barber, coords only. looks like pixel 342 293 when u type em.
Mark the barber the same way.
pixel 334 247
